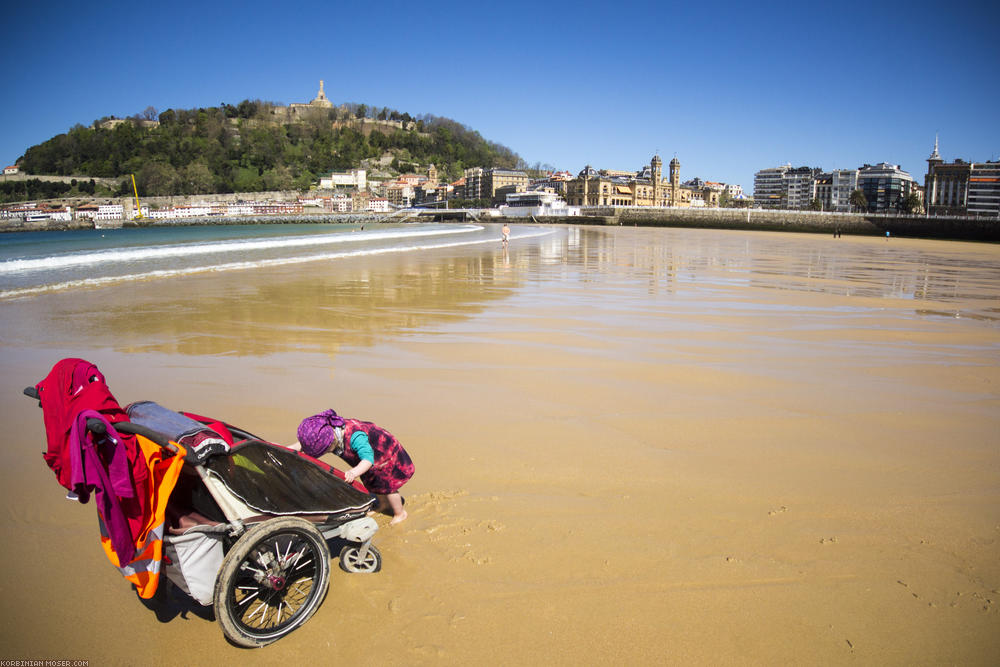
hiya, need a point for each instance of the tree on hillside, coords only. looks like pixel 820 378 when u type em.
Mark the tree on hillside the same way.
pixel 248 147
pixel 196 179
pixel 157 179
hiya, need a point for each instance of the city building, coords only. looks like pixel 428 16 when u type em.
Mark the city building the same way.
pixel 961 187
pixel 984 189
pixel 483 183
pixel 834 188
pixel 885 187
pixel 355 178
pixel 769 187
pixel 536 203
pixel 378 205
pixel 646 187
pixel 799 187
pixel 110 212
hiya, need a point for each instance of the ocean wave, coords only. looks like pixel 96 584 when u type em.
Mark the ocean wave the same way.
pixel 102 281
pixel 187 250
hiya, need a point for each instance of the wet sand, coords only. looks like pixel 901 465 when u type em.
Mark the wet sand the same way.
pixel 633 446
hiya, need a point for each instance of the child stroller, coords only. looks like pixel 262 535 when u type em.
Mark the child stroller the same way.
pixel 231 520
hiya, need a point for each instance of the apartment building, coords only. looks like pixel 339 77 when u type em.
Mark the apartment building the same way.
pixel 769 187
pixel 984 189
pixel 799 187
pixel 834 188
pixel 483 183
pixel 885 186
pixel 961 187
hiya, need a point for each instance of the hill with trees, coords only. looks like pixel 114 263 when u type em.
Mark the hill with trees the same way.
pixel 256 146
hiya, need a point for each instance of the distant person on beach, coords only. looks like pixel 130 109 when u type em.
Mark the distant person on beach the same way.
pixel 887 235
pixel 376 456
pixel 506 233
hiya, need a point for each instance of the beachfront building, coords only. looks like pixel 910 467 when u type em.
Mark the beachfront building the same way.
pixel 378 205
pixel 799 187
pixel 769 187
pixel 86 211
pixel 961 187
pixel 834 188
pixel 483 183
pixel 61 213
pixel 533 203
pixel 645 187
pixel 984 189
pixel 885 187
pixel 110 212
pixel 341 203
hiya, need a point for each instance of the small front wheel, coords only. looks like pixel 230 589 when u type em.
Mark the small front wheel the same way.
pixel 351 560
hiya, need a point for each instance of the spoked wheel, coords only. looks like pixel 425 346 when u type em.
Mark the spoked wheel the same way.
pixel 271 581
pixel 351 559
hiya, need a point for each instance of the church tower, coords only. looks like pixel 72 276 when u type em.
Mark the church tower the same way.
pixel 931 196
pixel 675 181
pixel 656 175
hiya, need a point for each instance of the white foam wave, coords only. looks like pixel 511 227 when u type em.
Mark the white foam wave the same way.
pixel 238 266
pixel 147 253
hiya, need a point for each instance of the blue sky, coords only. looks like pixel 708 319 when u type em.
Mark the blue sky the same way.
pixel 728 88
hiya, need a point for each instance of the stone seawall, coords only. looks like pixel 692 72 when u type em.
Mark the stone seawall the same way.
pixel 813 222
pixel 18 225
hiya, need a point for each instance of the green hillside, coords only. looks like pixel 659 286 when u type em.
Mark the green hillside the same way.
pixel 256 146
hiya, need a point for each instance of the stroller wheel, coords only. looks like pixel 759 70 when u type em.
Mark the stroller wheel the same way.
pixel 351 560
pixel 272 580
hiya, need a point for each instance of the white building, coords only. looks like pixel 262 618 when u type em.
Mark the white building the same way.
pixel 378 205
pixel 735 191
pixel 342 203
pixel 242 208
pixel 65 214
pixel 536 203
pixel 110 212
pixel 842 183
pixel 355 178
pixel 800 187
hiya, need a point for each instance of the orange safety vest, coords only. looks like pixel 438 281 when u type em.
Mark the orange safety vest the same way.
pixel 144 568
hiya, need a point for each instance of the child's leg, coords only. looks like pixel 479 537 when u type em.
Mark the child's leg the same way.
pixel 396 503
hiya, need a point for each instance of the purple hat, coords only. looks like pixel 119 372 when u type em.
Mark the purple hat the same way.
pixel 316 433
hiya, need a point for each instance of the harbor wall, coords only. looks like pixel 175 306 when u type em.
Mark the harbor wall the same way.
pixel 814 222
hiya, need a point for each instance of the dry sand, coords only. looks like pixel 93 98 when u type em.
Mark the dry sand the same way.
pixel 633 446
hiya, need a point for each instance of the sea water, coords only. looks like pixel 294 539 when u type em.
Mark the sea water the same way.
pixel 37 262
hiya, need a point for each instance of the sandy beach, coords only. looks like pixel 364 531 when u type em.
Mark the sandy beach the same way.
pixel 632 446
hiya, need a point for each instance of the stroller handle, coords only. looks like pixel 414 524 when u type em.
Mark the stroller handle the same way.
pixel 97 426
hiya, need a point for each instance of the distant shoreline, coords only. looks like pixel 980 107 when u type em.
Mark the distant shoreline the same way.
pixel 810 222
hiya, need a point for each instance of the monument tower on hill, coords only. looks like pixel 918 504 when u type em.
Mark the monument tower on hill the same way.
pixel 320 100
